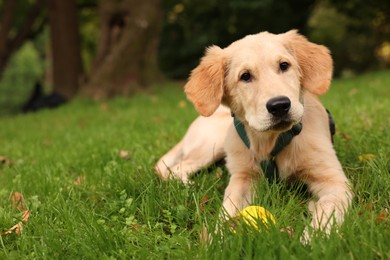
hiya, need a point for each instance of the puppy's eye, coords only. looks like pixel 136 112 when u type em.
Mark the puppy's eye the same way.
pixel 284 66
pixel 246 76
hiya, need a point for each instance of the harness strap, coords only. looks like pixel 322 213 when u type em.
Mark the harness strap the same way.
pixel 269 166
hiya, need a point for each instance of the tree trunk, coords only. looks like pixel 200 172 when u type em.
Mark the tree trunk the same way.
pixel 126 58
pixel 12 37
pixel 65 47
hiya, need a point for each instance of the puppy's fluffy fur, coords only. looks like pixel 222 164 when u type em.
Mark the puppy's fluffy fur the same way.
pixel 219 80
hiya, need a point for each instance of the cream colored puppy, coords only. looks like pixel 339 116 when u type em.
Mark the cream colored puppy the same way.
pixel 270 82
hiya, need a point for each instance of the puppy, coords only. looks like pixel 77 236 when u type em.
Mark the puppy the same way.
pixel 270 83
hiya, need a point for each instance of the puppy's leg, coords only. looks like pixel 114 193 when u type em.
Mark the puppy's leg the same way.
pixel 243 177
pixel 171 158
pixel 195 160
pixel 196 151
pixel 334 195
pixel 334 198
pixel 201 146
pixel 238 194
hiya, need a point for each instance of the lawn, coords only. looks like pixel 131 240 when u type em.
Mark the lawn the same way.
pixel 85 173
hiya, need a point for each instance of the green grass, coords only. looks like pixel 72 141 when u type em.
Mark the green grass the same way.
pixel 121 210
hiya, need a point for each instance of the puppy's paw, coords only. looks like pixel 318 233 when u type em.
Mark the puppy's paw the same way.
pixel 175 173
pixel 305 238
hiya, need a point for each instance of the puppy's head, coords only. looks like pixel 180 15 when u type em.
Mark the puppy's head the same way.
pixel 261 78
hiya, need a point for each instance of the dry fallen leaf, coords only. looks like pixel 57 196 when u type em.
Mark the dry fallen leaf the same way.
pixel 79 180
pixel 124 154
pixel 182 104
pixel 288 230
pixel 5 161
pixel 26 215
pixel 19 226
pixel 17 229
pixel 104 106
pixel 345 135
pixel 203 202
pixel 383 216
pixel 18 202
pixel 157 119
pixel 353 92
pixel 136 227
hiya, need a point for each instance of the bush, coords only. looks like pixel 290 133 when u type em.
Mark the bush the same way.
pixel 23 71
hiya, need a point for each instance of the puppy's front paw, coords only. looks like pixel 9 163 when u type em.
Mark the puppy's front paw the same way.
pixel 305 237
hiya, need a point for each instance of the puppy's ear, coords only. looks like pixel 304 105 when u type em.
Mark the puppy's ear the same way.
pixel 315 63
pixel 206 83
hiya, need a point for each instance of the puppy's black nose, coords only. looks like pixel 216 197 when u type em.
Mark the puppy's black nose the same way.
pixel 278 106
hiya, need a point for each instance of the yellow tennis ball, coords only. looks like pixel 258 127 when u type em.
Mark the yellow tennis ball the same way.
pixel 252 214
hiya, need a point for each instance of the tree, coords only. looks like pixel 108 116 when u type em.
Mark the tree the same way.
pixel 126 57
pixel 24 20
pixel 126 53
pixel 20 21
pixel 65 47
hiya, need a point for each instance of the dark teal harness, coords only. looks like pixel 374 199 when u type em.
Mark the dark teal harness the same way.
pixel 269 167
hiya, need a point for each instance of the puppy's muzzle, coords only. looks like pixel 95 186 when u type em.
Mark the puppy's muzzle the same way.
pixel 279 106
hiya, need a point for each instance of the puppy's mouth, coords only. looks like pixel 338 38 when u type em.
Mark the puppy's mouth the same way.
pixel 282 125
pixel 273 124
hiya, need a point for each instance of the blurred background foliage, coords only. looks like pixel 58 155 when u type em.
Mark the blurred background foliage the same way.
pixel 356 31
pixel 189 27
